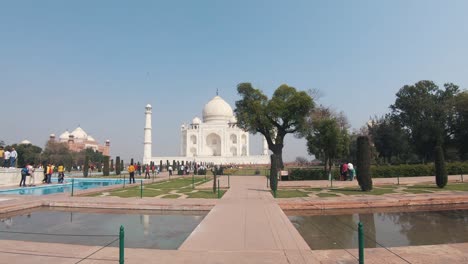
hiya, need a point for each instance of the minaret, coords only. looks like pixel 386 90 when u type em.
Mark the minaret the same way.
pixel 148 142
pixel 265 146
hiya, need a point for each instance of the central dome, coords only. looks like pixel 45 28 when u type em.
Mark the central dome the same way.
pixel 217 110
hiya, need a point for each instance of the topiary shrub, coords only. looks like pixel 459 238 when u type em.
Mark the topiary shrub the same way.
pixel 117 166
pixel 363 163
pixel 106 166
pixel 440 170
pixel 86 166
pixel 111 165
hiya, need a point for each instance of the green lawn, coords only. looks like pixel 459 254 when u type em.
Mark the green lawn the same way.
pixel 448 187
pixel 206 194
pixel 290 194
pixel 180 185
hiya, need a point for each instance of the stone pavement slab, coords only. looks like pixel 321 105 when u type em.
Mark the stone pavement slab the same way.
pixel 246 218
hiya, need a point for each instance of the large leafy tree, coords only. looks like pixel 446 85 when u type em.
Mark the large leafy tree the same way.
pixel 389 138
pixel 461 124
pixel 57 153
pixel 328 138
pixel 285 113
pixel 27 153
pixel 426 111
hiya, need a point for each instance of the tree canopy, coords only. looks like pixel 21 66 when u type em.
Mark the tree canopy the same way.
pixel 285 113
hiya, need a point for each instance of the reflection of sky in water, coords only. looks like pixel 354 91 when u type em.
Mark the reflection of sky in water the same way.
pixel 387 229
pixel 141 231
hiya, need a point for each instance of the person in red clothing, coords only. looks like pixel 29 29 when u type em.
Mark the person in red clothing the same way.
pixel 147 170
pixel 344 172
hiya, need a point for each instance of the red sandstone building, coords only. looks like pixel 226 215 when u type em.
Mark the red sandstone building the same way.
pixel 79 140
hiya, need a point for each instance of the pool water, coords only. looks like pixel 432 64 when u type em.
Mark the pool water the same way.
pixel 78 184
pixel 390 229
pixel 143 229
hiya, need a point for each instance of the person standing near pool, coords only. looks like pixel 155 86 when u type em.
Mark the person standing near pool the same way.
pixel 61 174
pixel 131 171
pixel 147 170
pixel 13 157
pixel 31 170
pixel 350 171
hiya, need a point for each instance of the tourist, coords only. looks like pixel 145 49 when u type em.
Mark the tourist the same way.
pixel 152 169
pixel 344 172
pixel 147 174
pixel 131 171
pixel 2 152
pixel 61 173
pixel 50 171
pixel 31 170
pixel 170 170
pixel 6 159
pixel 350 171
pixel 24 173
pixel 13 157
pixel 139 169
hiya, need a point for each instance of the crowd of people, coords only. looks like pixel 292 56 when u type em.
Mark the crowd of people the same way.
pixel 8 157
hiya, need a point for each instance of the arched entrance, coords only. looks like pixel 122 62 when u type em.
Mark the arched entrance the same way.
pixel 213 143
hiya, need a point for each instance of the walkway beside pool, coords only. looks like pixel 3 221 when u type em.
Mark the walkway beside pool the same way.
pixel 246 226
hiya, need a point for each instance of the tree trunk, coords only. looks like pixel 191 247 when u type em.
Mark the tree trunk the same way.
pixel 274 172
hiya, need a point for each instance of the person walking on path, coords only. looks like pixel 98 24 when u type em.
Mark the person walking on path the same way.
pixel 13 157
pixel 147 170
pixel 170 170
pixel 24 173
pixel 131 171
pixel 6 159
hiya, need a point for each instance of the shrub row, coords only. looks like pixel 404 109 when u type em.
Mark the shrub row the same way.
pixel 385 171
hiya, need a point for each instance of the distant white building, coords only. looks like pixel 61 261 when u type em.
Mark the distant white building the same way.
pixel 216 139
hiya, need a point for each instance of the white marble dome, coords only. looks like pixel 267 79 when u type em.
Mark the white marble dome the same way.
pixel 25 142
pixel 90 138
pixel 64 135
pixel 196 121
pixel 79 133
pixel 217 110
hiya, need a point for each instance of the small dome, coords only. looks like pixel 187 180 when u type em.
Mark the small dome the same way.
pixel 79 133
pixel 217 110
pixel 52 135
pixel 90 138
pixel 64 135
pixel 25 142
pixel 196 121
pixel 148 106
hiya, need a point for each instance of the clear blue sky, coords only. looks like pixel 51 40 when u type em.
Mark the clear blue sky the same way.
pixel 98 63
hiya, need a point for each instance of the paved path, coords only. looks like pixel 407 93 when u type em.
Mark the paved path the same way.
pixel 246 218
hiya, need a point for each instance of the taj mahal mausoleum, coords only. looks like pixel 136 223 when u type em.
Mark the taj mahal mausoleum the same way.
pixel 215 138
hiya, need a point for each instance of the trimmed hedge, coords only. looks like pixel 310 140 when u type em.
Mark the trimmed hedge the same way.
pixel 383 171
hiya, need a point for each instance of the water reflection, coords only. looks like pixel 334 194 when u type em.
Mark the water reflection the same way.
pixel 386 229
pixel 157 231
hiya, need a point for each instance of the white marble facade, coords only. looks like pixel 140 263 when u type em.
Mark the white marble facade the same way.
pixel 215 139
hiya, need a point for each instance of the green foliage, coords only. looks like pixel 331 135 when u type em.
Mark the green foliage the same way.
pixel 389 138
pixel 111 165
pixel 27 153
pixel 106 166
pixel 327 140
pixel 363 163
pixel 86 167
pixel 427 112
pixel 57 153
pixel 440 171
pixel 311 174
pixel 460 126
pixel 285 113
pixel 117 166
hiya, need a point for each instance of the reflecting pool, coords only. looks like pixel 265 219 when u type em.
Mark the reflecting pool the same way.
pixel 143 229
pixel 389 229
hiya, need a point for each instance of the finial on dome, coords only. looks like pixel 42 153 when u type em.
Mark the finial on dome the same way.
pixel 217 91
